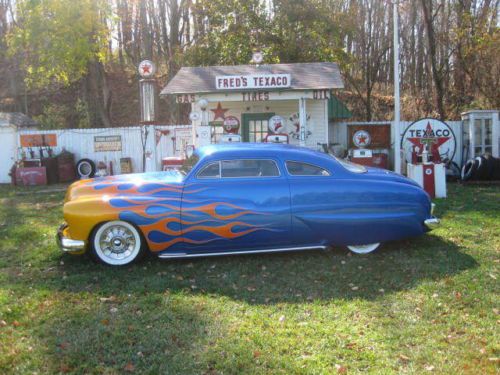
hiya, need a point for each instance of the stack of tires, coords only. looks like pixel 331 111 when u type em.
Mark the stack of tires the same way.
pixel 481 168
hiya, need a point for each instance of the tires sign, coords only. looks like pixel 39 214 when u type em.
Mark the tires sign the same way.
pixel 435 135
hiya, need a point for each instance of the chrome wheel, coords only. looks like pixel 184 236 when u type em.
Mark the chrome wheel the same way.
pixel 364 249
pixel 117 243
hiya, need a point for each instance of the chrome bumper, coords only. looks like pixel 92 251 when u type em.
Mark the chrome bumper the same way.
pixel 67 244
pixel 432 223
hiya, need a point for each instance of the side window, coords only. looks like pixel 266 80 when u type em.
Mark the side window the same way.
pixel 212 170
pixel 296 168
pixel 249 168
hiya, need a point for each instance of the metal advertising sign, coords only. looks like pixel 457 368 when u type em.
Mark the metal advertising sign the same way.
pixel 361 138
pixel 38 140
pixel 108 143
pixel 436 135
pixel 276 124
pixel 253 81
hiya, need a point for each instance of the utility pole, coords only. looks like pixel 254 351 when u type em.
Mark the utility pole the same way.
pixel 396 129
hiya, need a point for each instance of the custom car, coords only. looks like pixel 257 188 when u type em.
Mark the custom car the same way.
pixel 243 198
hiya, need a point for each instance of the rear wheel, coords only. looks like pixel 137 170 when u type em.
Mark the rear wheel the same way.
pixel 117 243
pixel 364 249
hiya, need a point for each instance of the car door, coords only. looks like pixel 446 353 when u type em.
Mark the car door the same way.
pixel 312 202
pixel 236 205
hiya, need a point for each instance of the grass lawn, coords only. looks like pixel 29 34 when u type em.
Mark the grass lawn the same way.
pixel 426 305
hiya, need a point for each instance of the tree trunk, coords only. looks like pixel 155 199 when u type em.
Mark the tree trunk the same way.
pixel 436 74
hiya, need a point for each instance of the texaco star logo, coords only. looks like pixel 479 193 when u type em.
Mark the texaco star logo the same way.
pixel 429 139
pixel 361 138
pixel 437 137
pixel 147 69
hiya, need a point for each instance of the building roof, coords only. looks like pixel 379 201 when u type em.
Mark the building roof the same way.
pixel 18 119
pixel 305 76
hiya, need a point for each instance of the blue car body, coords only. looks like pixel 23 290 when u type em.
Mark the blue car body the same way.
pixel 193 215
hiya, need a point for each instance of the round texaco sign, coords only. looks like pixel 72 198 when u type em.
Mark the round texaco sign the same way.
pixel 361 139
pixel 147 69
pixel 436 135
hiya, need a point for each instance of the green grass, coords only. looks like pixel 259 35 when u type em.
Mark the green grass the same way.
pixel 426 305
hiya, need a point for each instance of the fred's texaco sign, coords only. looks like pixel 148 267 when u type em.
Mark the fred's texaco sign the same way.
pixel 435 135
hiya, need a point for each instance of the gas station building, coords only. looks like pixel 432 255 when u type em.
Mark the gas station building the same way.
pixel 287 103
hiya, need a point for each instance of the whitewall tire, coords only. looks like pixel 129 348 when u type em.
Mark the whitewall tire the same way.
pixel 364 249
pixel 117 243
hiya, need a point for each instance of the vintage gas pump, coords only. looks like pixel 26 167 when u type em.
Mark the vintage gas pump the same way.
pixel 362 155
pixel 276 129
pixel 231 129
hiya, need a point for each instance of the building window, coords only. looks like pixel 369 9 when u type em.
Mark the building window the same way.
pixel 257 130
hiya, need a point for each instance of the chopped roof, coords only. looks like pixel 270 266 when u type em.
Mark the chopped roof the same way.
pixel 18 119
pixel 305 76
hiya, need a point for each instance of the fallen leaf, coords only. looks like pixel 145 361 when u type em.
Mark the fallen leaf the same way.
pixel 256 354
pixel 64 368
pixel 129 367
pixel 64 345
pixel 404 358
pixel 429 367
pixel 341 369
pixel 15 323
pixel 105 322
pixel 107 299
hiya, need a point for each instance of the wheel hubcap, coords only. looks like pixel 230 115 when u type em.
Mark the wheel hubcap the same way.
pixel 364 249
pixel 117 242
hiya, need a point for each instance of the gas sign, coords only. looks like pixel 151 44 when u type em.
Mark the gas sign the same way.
pixel 435 135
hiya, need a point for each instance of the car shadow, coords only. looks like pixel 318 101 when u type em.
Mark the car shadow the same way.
pixel 281 278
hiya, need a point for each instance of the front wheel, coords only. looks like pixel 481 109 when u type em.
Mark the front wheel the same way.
pixel 364 249
pixel 117 243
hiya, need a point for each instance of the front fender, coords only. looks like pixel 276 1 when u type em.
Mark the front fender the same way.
pixel 83 214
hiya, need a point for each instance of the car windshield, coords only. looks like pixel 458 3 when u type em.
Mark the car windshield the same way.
pixel 188 164
pixel 350 166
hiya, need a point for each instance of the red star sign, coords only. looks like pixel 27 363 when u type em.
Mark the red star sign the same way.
pixel 361 139
pixel 146 69
pixel 428 139
pixel 219 112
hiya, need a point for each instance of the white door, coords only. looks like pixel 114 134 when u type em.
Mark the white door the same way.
pixel 7 151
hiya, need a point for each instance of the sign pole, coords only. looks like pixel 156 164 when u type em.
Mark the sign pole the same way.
pixel 396 129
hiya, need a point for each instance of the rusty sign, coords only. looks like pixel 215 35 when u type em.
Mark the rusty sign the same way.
pixel 38 140
pixel 108 143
